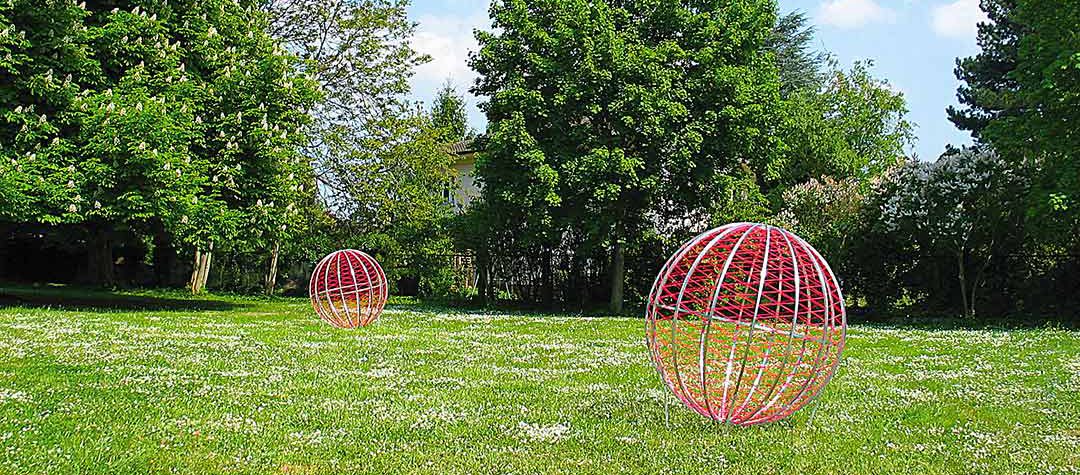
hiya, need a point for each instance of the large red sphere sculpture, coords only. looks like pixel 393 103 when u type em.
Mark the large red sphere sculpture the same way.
pixel 348 289
pixel 746 323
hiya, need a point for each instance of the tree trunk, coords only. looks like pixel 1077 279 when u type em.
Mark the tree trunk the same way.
pixel 940 284
pixel 164 259
pixel 206 266
pixel 5 230
pixel 963 282
pixel 271 277
pixel 482 276
pixel 202 269
pixel 618 273
pixel 576 287
pixel 99 257
pixel 971 297
pixel 547 285
pixel 196 268
pixel 980 275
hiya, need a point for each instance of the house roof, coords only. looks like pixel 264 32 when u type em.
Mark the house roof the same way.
pixel 464 147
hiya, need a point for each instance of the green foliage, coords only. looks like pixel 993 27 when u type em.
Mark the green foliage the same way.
pixel 1046 100
pixel 951 219
pixel 801 67
pixel 381 165
pixel 608 117
pixel 359 53
pixel 519 187
pixel 621 128
pixel 389 201
pixel 1020 95
pixel 180 117
pixel 852 127
pixel 986 82
pixel 46 63
pixel 448 114
pixel 826 213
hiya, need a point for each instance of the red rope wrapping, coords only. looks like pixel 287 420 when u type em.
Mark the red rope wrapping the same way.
pixel 348 289
pixel 746 323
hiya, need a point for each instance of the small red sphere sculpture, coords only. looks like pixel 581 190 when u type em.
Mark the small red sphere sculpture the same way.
pixel 746 323
pixel 348 289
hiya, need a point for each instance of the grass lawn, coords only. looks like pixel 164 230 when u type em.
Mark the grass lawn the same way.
pixel 158 383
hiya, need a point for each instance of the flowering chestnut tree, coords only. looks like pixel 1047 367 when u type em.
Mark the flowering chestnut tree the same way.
pixel 181 118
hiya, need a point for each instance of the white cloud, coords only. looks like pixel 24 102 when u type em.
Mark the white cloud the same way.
pixel 448 39
pixel 853 13
pixel 958 19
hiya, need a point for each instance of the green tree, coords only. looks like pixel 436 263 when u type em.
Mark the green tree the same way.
pixel 801 66
pixel 853 126
pixel 448 114
pixel 844 129
pixel 825 212
pixel 185 122
pixel 46 65
pixel 380 163
pixel 986 82
pixel 229 113
pixel 624 114
pixel 397 208
pixel 1043 133
pixel 965 206
pixel 360 53
pixel 1021 94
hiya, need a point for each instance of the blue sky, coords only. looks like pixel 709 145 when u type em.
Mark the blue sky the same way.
pixel 913 44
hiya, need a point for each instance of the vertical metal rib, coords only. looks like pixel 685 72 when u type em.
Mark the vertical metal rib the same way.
pixel 678 307
pixel 361 313
pixel 654 303
pixel 824 348
pixel 791 337
pixel 734 344
pixel 753 325
pixel 326 291
pixel 341 289
pixel 843 321
pixel 703 346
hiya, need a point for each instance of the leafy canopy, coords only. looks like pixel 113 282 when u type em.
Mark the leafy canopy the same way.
pixel 182 113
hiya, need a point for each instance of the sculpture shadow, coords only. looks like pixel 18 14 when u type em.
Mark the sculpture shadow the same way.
pixel 99 300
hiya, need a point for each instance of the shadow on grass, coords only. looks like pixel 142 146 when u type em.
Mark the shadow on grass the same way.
pixel 86 299
pixel 946 322
pixel 857 316
pixel 502 307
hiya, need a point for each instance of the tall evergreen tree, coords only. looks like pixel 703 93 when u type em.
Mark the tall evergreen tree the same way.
pixel 987 83
pixel 1022 94
pixel 448 114
pixel 801 65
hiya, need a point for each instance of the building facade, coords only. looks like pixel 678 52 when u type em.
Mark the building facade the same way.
pixel 464 188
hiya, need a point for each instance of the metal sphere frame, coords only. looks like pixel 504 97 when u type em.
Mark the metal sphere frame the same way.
pixel 746 323
pixel 348 289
